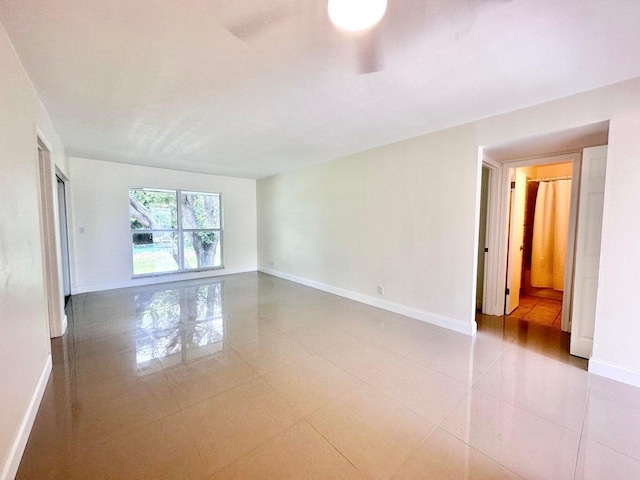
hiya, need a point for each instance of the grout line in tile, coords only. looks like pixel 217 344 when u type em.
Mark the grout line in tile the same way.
pixel 330 443
pixel 575 464
pixel 412 410
pixel 253 449
pixel 610 448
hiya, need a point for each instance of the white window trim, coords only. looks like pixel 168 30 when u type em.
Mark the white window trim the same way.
pixel 179 231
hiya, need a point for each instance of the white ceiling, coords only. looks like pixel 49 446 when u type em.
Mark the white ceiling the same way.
pixel 562 141
pixel 164 83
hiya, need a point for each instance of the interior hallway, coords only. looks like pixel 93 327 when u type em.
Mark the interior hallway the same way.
pixel 251 376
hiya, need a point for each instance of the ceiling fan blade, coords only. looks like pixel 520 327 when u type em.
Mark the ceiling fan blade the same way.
pixel 369 51
pixel 251 26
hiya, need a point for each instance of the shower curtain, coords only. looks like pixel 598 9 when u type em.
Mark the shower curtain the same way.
pixel 550 230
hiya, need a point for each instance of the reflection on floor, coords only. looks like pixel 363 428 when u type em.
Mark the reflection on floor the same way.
pixel 250 377
pixel 539 310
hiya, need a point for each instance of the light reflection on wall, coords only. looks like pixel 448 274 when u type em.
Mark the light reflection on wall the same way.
pixel 179 324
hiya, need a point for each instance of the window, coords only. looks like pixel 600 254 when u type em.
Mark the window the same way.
pixel 175 231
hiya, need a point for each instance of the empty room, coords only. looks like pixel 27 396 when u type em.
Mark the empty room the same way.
pixel 307 239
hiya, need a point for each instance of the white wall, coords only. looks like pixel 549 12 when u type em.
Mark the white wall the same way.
pixel 24 334
pixel 101 256
pixel 405 216
pixel 387 217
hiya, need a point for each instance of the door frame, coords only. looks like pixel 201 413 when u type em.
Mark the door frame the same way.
pixel 63 229
pixel 500 210
pixel 492 241
pixel 50 237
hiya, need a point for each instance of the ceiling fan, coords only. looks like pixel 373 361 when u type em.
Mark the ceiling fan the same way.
pixel 355 19
pixel 359 21
pixel 360 18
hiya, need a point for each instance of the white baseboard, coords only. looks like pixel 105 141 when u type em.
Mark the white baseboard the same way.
pixel 435 319
pixel 614 372
pixel 164 278
pixel 10 468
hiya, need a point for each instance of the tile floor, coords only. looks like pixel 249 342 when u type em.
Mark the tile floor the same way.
pixel 545 311
pixel 253 377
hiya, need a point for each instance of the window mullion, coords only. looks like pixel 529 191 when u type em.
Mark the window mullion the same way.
pixel 180 235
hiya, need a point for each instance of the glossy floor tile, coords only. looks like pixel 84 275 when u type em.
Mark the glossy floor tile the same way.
pixel 442 456
pixel 613 417
pixel 428 393
pixel 253 377
pixel 599 462
pixel 311 383
pixel 230 425
pixel 299 453
pixel 520 440
pixel 455 355
pixel 538 384
pixel 374 432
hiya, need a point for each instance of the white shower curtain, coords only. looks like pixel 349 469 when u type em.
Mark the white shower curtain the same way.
pixel 550 230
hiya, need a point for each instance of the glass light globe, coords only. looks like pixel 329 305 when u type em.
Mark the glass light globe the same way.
pixel 356 15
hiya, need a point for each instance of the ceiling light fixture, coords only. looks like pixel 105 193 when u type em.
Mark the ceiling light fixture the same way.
pixel 356 15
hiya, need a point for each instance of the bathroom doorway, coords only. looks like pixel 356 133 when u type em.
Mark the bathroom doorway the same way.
pixel 538 266
pixel 585 148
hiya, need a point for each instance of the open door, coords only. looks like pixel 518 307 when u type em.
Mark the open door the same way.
pixel 64 238
pixel 516 235
pixel 589 233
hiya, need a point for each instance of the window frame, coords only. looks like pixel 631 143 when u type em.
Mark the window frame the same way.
pixel 179 231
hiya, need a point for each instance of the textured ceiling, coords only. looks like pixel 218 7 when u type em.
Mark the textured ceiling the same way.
pixel 165 83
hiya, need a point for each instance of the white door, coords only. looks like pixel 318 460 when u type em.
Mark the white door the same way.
pixel 64 238
pixel 587 254
pixel 516 236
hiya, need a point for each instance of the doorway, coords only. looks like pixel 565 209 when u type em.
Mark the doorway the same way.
pixel 482 237
pixel 582 245
pixel 48 196
pixel 542 198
